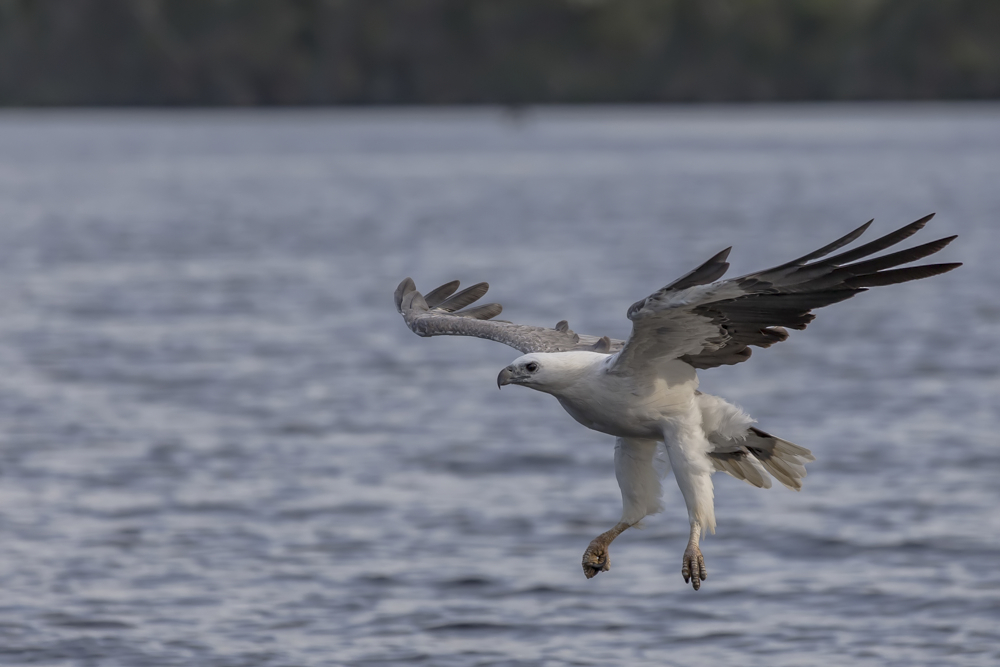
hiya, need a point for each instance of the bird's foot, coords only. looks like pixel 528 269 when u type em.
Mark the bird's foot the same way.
pixel 693 569
pixel 596 558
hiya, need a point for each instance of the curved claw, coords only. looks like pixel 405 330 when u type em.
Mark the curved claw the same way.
pixel 693 567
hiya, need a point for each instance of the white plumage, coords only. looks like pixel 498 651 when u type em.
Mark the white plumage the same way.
pixel 644 391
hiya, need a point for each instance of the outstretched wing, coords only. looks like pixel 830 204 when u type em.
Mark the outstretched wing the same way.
pixel 444 313
pixel 710 324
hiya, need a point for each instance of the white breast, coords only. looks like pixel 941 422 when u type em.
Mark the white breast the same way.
pixel 630 406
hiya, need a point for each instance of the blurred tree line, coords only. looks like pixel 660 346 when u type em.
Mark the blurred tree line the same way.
pixel 223 52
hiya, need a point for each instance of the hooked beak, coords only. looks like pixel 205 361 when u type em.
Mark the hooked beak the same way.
pixel 505 377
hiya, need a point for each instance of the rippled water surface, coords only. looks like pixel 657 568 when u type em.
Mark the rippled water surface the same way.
pixel 219 444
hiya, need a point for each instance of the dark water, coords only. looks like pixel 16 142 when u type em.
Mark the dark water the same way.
pixel 219 445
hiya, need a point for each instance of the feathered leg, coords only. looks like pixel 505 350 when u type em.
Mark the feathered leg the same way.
pixel 639 482
pixel 687 449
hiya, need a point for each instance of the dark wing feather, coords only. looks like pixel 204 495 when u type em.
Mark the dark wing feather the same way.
pixel 437 296
pixel 711 270
pixel 441 313
pixel 714 324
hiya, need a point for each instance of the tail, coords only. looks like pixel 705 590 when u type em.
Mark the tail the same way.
pixel 746 452
pixel 760 453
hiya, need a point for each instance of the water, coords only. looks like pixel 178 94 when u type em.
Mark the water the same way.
pixel 219 444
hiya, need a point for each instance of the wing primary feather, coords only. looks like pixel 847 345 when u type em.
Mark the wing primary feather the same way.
pixel 710 271
pixel 896 258
pixel 881 243
pixel 901 275
pixel 464 298
pixel 436 296
pixel 404 288
pixel 414 301
pixel 827 249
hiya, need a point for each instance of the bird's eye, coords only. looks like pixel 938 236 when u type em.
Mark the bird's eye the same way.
pixel 532 367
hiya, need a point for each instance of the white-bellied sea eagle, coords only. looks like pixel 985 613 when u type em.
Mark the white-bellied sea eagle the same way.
pixel 644 390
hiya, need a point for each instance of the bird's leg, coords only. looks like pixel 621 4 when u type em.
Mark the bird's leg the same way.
pixel 596 558
pixel 693 568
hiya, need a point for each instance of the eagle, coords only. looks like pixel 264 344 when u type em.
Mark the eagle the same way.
pixel 644 390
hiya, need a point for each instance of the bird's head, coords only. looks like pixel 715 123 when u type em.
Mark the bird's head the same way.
pixel 547 372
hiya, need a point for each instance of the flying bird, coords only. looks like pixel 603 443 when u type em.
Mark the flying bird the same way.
pixel 644 391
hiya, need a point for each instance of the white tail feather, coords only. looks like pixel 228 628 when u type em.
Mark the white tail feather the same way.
pixel 746 452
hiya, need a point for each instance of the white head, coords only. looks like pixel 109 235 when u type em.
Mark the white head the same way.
pixel 548 371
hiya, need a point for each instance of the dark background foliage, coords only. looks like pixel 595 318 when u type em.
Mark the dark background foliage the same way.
pixel 278 52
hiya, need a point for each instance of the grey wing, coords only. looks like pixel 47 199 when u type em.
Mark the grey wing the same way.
pixel 444 313
pixel 710 324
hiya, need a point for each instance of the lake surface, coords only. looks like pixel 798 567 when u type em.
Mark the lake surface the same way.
pixel 220 445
